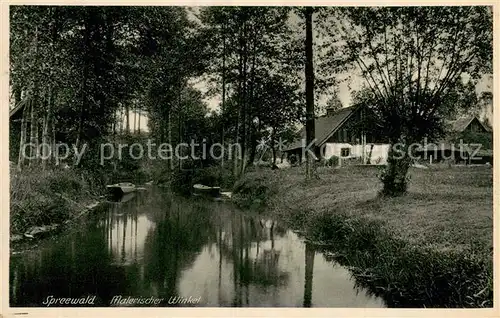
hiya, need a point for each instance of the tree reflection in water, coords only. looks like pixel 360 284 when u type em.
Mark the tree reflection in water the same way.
pixel 310 253
pixel 253 265
pixel 181 232
pixel 162 245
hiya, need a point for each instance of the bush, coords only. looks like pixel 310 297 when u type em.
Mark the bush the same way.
pixel 293 159
pixel 333 161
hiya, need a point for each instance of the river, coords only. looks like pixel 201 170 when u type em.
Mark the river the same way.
pixel 156 244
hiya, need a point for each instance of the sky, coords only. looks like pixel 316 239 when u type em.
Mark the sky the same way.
pixel 344 89
pixel 344 94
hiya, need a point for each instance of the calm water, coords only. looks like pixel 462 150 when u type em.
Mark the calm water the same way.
pixel 158 245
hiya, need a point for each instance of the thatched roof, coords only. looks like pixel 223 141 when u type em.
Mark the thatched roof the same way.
pixel 324 127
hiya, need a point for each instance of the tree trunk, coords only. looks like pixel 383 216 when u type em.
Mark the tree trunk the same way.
pixel 53 135
pixel 33 128
pixel 80 124
pixel 274 155
pixel 52 123
pixel 138 121
pixel 115 121
pixel 135 120
pixel 369 160
pixel 309 72
pixel 273 141
pixel 244 104
pixel 43 151
pixel 253 146
pixel 45 135
pixel 33 122
pixel 84 104
pixel 111 60
pixel 37 137
pixel 179 122
pixel 169 135
pixel 394 176
pixel 22 140
pixel 309 260
pixel 253 130
pixel 237 139
pixel 235 151
pixel 223 91
pixel 127 118
pixel 240 113
pixel 122 119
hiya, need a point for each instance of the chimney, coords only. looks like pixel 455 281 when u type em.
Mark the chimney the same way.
pixel 330 111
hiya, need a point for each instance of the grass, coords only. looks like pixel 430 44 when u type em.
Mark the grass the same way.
pixel 431 247
pixel 43 197
pixel 448 208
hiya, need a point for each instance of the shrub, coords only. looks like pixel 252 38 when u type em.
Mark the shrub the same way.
pixel 293 159
pixel 333 161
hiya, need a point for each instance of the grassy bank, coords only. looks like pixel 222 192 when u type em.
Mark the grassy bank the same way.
pixel 432 247
pixel 43 197
pixel 40 197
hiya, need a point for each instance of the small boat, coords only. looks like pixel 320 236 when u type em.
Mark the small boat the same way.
pixel 203 190
pixel 120 189
pixel 126 197
pixel 226 195
pixel 223 197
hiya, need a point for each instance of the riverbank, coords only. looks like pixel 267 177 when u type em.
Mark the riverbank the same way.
pixel 432 247
pixel 43 201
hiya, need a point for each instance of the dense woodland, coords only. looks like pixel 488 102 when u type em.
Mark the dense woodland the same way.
pixel 79 70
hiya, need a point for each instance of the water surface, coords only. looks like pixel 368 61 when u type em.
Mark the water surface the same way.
pixel 156 244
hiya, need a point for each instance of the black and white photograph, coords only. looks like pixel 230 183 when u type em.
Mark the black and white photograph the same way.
pixel 249 156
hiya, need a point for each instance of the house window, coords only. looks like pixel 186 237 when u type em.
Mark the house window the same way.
pixel 345 152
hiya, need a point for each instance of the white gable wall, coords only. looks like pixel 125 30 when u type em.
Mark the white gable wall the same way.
pixel 379 152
